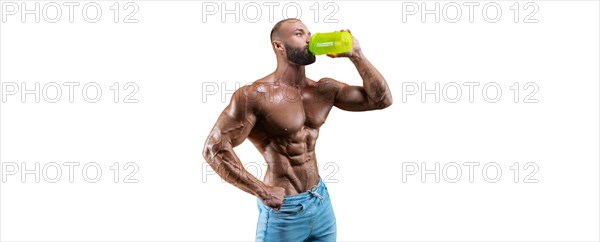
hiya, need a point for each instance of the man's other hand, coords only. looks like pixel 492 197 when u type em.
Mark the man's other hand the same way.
pixel 355 51
pixel 274 197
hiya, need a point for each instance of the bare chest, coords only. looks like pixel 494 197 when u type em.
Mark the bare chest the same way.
pixel 287 110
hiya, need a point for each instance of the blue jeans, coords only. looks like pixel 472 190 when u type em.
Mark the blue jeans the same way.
pixel 307 216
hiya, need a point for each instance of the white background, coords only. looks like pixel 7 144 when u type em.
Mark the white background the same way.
pixel 171 54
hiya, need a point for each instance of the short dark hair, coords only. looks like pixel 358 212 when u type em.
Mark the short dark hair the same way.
pixel 275 30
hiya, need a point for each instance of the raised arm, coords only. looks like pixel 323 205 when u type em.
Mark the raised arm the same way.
pixel 231 129
pixel 374 94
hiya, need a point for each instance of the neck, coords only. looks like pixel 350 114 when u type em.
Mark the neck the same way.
pixel 290 74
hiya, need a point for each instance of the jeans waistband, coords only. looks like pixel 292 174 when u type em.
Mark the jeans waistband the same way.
pixel 315 191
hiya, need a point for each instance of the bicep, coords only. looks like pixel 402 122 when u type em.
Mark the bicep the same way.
pixel 234 125
pixel 235 122
pixel 351 98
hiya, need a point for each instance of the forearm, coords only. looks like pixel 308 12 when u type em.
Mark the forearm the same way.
pixel 374 83
pixel 228 166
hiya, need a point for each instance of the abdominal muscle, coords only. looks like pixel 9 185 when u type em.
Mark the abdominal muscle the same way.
pixel 291 161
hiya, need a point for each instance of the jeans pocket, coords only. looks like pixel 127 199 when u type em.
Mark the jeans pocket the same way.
pixel 288 210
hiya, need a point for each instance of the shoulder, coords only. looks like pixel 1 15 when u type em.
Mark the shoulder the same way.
pixel 262 85
pixel 250 89
pixel 328 82
pixel 329 85
pixel 250 95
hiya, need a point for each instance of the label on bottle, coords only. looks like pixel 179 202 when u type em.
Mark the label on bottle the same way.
pixel 324 44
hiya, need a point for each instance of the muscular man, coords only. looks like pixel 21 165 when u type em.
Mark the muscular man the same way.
pixel 281 114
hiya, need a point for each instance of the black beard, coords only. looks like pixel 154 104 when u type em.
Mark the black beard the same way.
pixel 299 56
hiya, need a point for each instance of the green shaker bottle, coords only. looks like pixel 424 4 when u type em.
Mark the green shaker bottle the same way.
pixel 330 43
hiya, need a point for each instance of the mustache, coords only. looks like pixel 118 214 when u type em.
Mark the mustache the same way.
pixel 307 50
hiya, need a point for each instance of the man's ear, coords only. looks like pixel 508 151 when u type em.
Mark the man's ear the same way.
pixel 278 45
